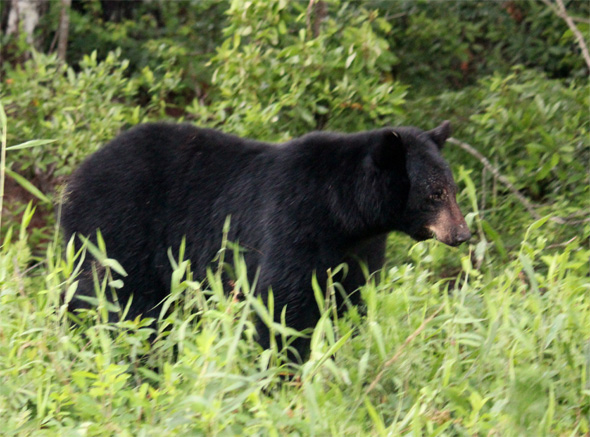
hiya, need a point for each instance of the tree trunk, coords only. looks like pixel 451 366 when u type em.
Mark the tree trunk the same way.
pixel 64 29
pixel 24 13
pixel 317 11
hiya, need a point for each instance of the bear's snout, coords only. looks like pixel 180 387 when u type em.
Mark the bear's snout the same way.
pixel 450 227
pixel 463 234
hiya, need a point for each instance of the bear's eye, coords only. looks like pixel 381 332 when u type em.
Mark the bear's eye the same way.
pixel 438 195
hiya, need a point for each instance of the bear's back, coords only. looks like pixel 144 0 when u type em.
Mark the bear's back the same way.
pixel 148 163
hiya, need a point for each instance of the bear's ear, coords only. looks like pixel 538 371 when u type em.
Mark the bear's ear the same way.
pixel 389 151
pixel 440 134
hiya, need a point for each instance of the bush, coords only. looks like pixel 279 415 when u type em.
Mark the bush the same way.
pixel 457 43
pixel 81 110
pixel 538 131
pixel 275 79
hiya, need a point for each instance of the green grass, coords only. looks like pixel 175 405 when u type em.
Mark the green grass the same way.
pixel 506 353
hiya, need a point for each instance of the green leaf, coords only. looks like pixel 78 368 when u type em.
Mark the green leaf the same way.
pixel 101 256
pixel 537 224
pixel 555 329
pixel 495 237
pixel 349 60
pixel 28 186
pixel 547 167
pixel 377 421
pixel 117 283
pixel 527 266
pixel 32 143
pixel 114 265
pixel 2 117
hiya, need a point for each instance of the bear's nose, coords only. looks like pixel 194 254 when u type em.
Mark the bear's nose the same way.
pixel 463 235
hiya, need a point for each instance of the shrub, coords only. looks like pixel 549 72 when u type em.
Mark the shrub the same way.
pixel 80 109
pixel 276 79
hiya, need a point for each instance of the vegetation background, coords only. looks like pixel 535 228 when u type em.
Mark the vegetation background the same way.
pixel 492 338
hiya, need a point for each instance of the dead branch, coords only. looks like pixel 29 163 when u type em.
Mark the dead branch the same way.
pixel 561 12
pixel 469 149
pixel 528 206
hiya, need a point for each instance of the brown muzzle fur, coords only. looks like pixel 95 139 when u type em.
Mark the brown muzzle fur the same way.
pixel 449 226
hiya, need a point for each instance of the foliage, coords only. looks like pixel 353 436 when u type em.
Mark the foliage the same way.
pixel 458 42
pixel 506 354
pixel 291 81
pixel 82 109
pixel 539 130
pixel 178 35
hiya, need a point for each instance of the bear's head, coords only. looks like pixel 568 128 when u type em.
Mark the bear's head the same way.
pixel 428 204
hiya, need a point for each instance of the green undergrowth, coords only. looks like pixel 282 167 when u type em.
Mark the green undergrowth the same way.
pixel 506 353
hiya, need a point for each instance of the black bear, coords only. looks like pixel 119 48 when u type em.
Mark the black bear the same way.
pixel 298 208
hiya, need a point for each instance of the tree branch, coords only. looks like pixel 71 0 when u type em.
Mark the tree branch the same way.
pixel 497 174
pixel 316 13
pixel 561 12
pixel 529 207
pixel 64 30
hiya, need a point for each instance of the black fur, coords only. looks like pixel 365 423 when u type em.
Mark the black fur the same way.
pixel 297 208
